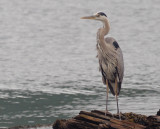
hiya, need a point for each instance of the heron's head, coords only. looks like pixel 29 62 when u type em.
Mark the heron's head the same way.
pixel 98 16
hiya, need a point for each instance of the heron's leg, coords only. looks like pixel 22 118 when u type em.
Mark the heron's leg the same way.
pixel 116 95
pixel 107 88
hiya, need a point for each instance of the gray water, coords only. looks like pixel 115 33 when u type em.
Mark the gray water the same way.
pixel 48 65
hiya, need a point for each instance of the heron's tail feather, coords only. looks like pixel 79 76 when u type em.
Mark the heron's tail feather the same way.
pixel 112 87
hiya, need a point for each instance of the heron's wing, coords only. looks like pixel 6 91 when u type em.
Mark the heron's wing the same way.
pixel 120 65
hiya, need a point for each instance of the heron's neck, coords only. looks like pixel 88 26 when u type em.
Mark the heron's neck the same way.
pixel 103 31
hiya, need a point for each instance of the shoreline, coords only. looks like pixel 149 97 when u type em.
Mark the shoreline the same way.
pixel 92 113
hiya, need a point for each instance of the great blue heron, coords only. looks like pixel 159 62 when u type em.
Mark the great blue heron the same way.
pixel 110 58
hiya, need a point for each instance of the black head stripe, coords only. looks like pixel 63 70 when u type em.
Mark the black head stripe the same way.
pixel 102 14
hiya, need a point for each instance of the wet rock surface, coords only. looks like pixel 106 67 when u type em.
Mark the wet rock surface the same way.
pixel 97 120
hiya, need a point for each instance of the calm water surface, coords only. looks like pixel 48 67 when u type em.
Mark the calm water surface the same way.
pixel 48 65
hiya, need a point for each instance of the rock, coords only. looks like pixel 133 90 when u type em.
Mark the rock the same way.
pixel 97 120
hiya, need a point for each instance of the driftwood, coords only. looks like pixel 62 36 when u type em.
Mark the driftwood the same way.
pixel 97 120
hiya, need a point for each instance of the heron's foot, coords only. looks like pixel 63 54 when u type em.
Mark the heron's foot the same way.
pixel 106 112
pixel 119 115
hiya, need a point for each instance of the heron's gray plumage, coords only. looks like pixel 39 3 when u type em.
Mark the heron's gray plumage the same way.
pixel 111 70
pixel 110 61
pixel 110 57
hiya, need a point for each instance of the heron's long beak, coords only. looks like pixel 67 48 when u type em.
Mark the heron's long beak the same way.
pixel 89 17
